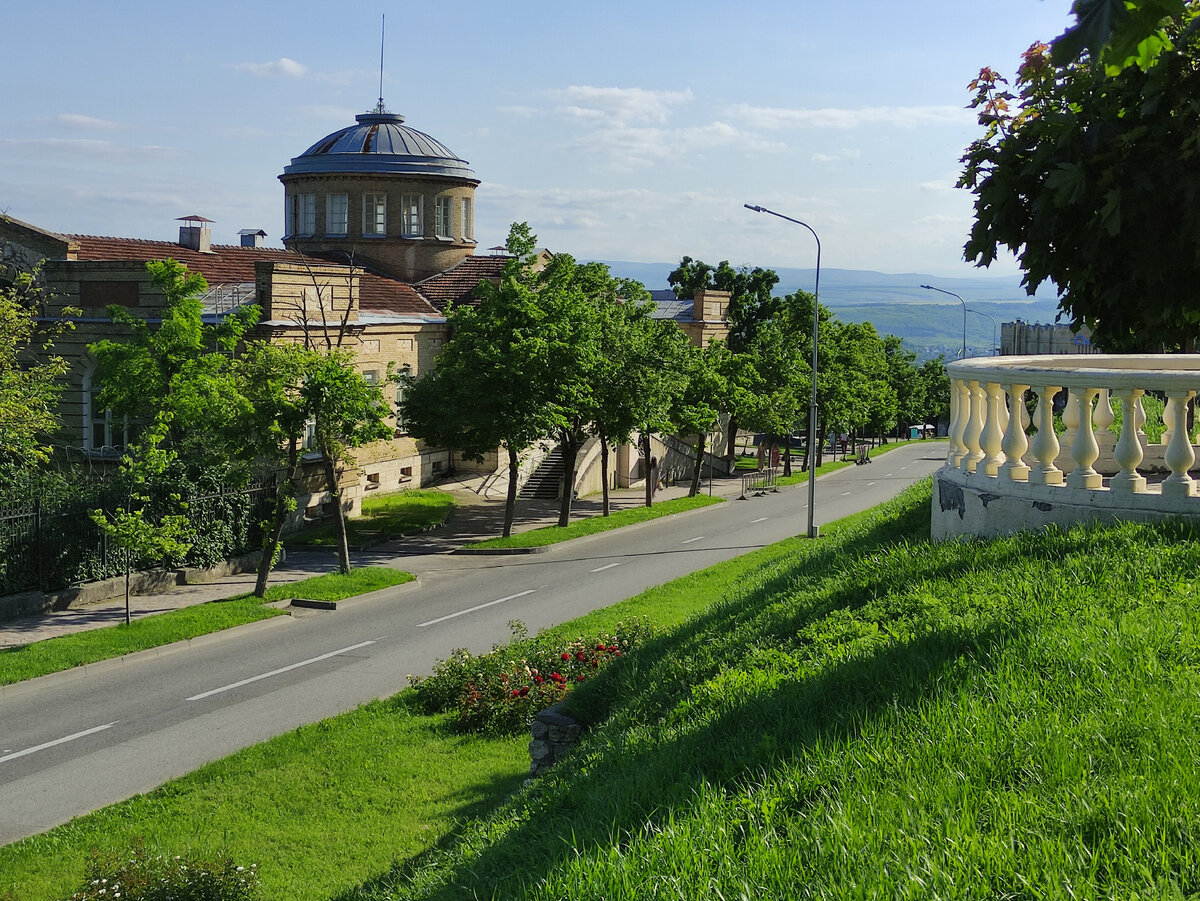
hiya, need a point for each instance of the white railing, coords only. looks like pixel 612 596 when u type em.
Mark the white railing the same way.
pixel 992 448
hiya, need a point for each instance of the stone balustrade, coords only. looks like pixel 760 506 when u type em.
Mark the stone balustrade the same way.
pixel 1008 470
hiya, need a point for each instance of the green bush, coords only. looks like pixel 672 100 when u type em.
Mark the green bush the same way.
pixel 138 876
pixel 498 693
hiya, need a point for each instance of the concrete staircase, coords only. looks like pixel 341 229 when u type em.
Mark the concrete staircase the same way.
pixel 546 480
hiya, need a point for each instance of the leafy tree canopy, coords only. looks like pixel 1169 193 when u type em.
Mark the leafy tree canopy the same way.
pixel 30 378
pixel 751 302
pixel 1093 180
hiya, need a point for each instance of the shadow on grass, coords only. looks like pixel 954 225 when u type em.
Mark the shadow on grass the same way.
pixel 643 768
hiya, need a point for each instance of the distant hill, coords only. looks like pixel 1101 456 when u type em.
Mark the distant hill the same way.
pixel 929 322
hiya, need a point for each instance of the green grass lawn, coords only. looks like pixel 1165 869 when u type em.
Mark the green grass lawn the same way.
pixel 867 715
pixel 385 516
pixel 69 651
pixel 594 524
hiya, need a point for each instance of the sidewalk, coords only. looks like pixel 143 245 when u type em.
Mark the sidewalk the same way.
pixel 473 519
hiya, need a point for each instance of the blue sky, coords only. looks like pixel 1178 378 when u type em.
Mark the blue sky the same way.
pixel 618 130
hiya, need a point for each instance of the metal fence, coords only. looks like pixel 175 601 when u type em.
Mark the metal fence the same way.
pixel 48 540
pixel 759 483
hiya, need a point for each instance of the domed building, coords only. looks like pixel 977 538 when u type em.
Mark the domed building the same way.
pixel 383 195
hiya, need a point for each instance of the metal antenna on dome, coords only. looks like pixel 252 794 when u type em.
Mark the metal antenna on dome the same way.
pixel 382 28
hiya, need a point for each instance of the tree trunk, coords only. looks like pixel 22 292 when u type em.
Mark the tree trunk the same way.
pixel 274 535
pixel 820 445
pixel 510 501
pixel 731 440
pixel 339 516
pixel 570 450
pixel 701 440
pixel 651 471
pixel 604 470
pixel 787 454
pixel 128 564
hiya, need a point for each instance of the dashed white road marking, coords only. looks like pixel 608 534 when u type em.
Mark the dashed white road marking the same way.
pixel 846 493
pixel 442 619
pixel 760 519
pixel 889 475
pixel 58 741
pixel 600 569
pixel 690 540
pixel 869 484
pixel 282 669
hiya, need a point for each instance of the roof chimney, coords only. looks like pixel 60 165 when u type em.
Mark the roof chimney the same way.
pixel 195 234
pixel 252 237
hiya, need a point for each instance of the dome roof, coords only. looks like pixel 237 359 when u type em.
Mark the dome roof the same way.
pixel 379 144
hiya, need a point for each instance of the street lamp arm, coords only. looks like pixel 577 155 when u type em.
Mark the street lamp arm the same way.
pixel 964 306
pixel 812 410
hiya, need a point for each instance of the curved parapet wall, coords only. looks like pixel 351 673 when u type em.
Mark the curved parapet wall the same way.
pixel 1009 469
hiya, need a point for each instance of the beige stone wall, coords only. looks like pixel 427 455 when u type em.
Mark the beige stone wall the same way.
pixel 410 258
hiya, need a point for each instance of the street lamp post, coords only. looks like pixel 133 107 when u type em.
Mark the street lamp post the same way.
pixel 812 409
pixel 964 303
pixel 993 318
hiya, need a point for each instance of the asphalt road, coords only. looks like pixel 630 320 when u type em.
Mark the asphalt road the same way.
pixel 73 742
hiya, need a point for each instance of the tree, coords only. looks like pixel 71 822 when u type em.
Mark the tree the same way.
pixel 702 399
pixel 489 386
pixel 181 366
pixel 908 388
pixel 751 302
pixel 1093 179
pixel 137 531
pixel 30 377
pixel 1118 33
pixel 346 413
pixel 271 376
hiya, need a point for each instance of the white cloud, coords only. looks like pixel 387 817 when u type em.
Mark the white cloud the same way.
pixel 75 120
pixel 84 147
pixel 282 66
pixel 628 148
pixel 848 154
pixel 774 118
pixel 617 106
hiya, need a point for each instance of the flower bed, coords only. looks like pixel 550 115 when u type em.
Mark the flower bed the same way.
pixel 500 692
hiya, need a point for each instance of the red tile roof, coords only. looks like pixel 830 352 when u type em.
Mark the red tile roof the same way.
pixel 232 264
pixel 457 284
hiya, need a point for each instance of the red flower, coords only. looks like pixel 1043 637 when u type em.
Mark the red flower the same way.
pixel 616 653
pixel 600 646
pixel 564 656
pixel 524 691
pixel 556 677
pixel 612 647
pixel 538 679
pixel 579 678
pixel 579 655
pixel 516 693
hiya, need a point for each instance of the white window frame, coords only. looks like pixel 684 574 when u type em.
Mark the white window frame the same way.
pixel 412 210
pixel 468 226
pixel 443 225
pixel 374 215
pixel 306 214
pixel 115 432
pixel 337 214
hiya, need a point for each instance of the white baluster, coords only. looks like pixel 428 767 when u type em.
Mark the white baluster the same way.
pixel 1128 452
pixel 1168 418
pixel 1070 420
pixel 1084 449
pixel 1179 455
pixel 958 422
pixel 1104 418
pixel 1015 441
pixel 1045 442
pixel 992 437
pixel 974 453
pixel 1141 420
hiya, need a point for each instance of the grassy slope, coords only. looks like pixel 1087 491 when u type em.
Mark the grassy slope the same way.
pixel 876 716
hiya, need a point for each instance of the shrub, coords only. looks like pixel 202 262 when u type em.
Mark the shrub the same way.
pixel 139 876
pixel 500 692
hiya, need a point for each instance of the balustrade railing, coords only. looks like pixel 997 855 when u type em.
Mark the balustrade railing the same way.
pixel 993 437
